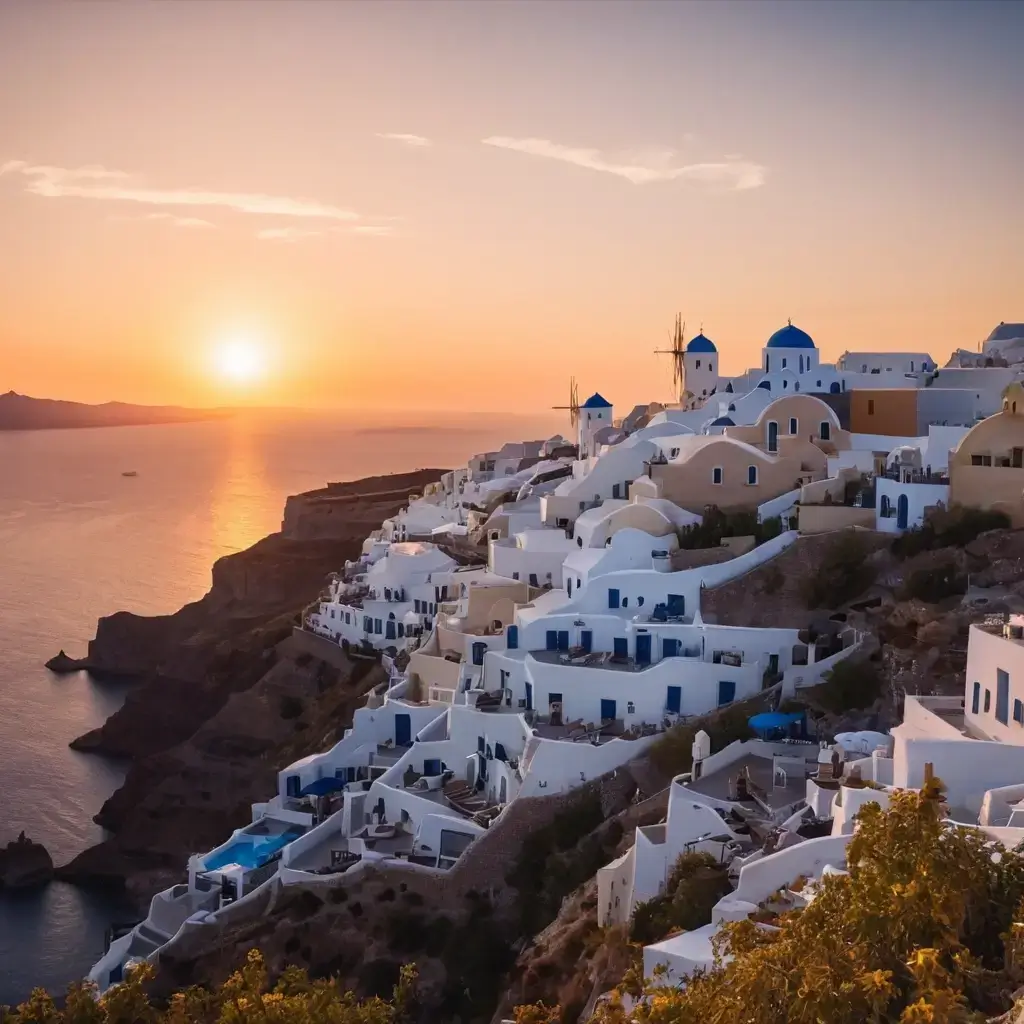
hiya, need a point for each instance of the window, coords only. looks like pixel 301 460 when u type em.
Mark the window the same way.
pixel 988 700
pixel 640 601
pixel 981 460
pixel 711 368
pixel 716 475
pixel 1002 696
pixel 783 363
pixel 1018 712
pixel 751 475
pixel 793 425
pixel 698 364
pixel 871 407
pixel 625 602
pixel 568 584
pixel 976 699
pixel 825 430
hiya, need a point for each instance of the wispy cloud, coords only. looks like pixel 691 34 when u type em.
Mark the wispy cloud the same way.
pixel 102 184
pixel 296 234
pixel 409 140
pixel 178 222
pixel 642 167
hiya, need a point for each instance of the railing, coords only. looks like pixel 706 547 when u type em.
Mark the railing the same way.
pixel 915 476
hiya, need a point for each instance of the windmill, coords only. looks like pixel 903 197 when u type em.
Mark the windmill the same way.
pixel 677 352
pixel 574 403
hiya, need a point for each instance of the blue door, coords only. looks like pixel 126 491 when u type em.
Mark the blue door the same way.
pixel 676 604
pixel 432 766
pixel 1002 696
pixel 674 699
pixel 726 692
pixel 586 640
pixel 529 696
pixel 902 512
pixel 669 648
pixel 403 730
pixel 620 647
pixel 551 640
pixel 479 650
pixel 563 639
pixel 512 637
pixel 834 388
pixel 389 633
pixel 643 648
pixel 293 785
pixel 607 710
pixel 613 597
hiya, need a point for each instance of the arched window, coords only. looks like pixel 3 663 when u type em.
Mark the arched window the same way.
pixel 751 474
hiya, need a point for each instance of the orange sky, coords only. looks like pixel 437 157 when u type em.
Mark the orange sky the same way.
pixel 559 180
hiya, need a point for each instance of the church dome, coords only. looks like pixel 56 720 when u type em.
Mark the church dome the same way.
pixel 791 337
pixel 701 344
pixel 723 421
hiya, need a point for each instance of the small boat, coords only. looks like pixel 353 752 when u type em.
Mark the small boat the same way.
pixel 130 472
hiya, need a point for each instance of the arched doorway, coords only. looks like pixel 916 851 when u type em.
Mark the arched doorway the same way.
pixel 902 512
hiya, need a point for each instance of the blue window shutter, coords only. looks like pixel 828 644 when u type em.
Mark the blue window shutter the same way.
pixel 1002 696
pixel 976 699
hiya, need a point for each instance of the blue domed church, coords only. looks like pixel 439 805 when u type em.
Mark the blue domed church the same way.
pixel 789 348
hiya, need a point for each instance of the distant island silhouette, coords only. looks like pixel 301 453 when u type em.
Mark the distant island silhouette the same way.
pixel 20 412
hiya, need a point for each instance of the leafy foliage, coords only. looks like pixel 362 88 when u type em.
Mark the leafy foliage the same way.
pixel 696 884
pixel 847 687
pixel 717 524
pixel 957 527
pixel 843 573
pixel 245 998
pixel 935 584
pixel 922 929
pixel 672 752
pixel 558 857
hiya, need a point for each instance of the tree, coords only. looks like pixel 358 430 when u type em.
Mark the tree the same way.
pixel 922 929
pixel 245 998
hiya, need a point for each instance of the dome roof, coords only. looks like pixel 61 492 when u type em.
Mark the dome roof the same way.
pixel 791 337
pixel 596 401
pixel 701 344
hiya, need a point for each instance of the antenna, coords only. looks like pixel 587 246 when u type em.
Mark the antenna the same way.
pixel 574 403
pixel 677 352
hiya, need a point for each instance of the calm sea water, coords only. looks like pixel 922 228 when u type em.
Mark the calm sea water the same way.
pixel 79 540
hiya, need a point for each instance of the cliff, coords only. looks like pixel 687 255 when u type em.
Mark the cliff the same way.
pixel 204 728
pixel 20 412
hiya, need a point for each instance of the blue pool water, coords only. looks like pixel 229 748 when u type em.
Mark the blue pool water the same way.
pixel 250 851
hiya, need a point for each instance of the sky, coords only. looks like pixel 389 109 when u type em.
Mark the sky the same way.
pixel 457 206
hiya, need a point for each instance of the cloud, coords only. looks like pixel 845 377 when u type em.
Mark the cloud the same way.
pixel 287 234
pixel 409 140
pixel 179 222
pixel 641 167
pixel 99 183
pixel 295 234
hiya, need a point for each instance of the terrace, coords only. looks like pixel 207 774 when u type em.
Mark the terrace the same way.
pixel 758 781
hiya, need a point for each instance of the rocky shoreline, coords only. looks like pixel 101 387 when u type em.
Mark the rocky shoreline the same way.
pixel 203 728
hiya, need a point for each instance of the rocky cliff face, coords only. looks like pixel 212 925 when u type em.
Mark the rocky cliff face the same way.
pixel 204 727
pixel 24 864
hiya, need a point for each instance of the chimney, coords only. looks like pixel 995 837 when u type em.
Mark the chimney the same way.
pixel 929 772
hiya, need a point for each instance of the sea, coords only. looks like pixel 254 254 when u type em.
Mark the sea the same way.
pixel 79 539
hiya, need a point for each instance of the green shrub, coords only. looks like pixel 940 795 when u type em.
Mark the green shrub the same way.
pixel 935 585
pixel 717 524
pixel 847 687
pixel 696 884
pixel 955 528
pixel 672 752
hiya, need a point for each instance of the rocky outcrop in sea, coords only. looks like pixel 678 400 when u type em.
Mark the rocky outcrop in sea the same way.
pixel 24 864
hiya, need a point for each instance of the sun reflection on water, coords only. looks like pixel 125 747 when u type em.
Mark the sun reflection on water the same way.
pixel 238 492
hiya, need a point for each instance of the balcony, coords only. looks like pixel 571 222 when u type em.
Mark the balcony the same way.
pixel 915 476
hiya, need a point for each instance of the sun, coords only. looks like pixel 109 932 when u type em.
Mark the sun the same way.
pixel 240 361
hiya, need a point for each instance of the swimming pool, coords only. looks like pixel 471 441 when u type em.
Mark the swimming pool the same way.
pixel 250 851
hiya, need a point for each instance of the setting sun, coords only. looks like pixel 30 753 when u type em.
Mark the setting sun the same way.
pixel 240 360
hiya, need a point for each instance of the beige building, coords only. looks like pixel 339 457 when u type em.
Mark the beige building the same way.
pixel 746 466
pixel 986 470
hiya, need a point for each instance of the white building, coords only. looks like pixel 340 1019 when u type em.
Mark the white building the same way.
pixel 395 599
